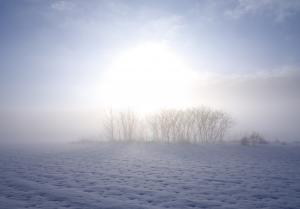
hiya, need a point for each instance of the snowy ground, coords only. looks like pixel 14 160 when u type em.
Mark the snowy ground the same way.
pixel 151 176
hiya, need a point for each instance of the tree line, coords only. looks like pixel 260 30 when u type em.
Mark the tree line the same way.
pixel 192 125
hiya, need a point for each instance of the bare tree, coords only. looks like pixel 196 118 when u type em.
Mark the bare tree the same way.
pixel 120 126
pixel 195 125
pixel 128 122
pixel 109 124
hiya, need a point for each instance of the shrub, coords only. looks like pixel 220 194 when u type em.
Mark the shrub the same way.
pixel 253 139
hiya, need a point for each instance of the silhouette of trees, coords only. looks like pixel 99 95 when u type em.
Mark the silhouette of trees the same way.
pixel 128 125
pixel 253 139
pixel 194 125
pixel 120 126
pixel 109 125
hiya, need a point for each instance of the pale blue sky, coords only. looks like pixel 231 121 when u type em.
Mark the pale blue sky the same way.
pixel 53 52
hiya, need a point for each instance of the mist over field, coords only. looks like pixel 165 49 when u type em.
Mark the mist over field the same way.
pixel 65 62
pixel 267 103
pixel 149 104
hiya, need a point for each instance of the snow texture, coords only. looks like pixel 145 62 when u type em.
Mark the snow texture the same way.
pixel 131 176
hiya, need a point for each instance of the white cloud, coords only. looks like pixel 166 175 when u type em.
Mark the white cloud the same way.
pixel 62 5
pixel 163 28
pixel 279 10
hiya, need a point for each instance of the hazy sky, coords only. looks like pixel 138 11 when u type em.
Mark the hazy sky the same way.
pixel 54 56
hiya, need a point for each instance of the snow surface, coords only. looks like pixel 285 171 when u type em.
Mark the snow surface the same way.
pixel 151 176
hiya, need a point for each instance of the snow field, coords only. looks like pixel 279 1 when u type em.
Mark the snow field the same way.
pixel 133 176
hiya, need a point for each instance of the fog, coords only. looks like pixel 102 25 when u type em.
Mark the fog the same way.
pixel 63 63
pixel 267 103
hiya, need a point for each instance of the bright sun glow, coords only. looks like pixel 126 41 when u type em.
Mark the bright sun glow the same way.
pixel 147 77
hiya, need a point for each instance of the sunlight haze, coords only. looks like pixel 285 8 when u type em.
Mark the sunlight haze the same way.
pixel 63 62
